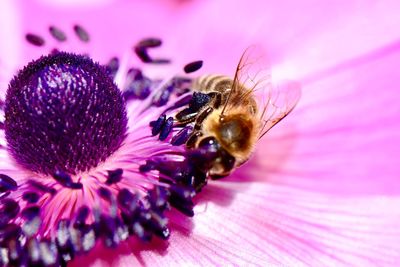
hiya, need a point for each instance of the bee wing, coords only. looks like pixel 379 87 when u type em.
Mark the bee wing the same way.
pixel 251 75
pixel 280 101
pixel 253 80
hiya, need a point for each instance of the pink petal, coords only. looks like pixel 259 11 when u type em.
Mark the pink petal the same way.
pixel 181 250
pixel 291 227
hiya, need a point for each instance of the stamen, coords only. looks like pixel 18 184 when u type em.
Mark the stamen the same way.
pixel 181 199
pixel 30 197
pixel 34 39
pixel 66 180
pixel 162 96
pixel 41 187
pixel 193 66
pixel 182 136
pixel 166 128
pixel 58 34
pixel 150 42
pixel 141 50
pixel 158 124
pixel 113 66
pixel 7 183
pixel 9 210
pixel 82 34
pixel 114 176
pixel 81 216
pixel 138 85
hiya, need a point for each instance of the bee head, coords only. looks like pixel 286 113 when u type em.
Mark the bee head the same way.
pixel 234 132
pixel 210 156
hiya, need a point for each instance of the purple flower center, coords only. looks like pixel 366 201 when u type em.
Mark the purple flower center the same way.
pixel 63 112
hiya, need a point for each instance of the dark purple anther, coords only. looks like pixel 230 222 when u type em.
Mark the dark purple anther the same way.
pixel 66 180
pixel 63 178
pixel 149 42
pixel 158 197
pixel 81 216
pixel 138 89
pixel 9 209
pixel 162 96
pixel 30 197
pixel 182 136
pixel 157 125
pixel 82 34
pixel 181 199
pixel 114 176
pixel 58 34
pixel 42 187
pixel 155 223
pixel 148 166
pixel 84 101
pixel 166 129
pixel 107 228
pixel 134 74
pixel 142 54
pixel 160 61
pixel 105 193
pixel 142 47
pixel 125 198
pixel 184 207
pixel 30 212
pixel 10 231
pixel 164 233
pixel 7 183
pixel 34 39
pixel 113 66
pixel 193 66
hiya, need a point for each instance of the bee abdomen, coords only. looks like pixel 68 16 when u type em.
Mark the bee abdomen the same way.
pixel 213 83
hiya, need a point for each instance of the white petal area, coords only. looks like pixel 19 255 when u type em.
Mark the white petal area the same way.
pixel 296 228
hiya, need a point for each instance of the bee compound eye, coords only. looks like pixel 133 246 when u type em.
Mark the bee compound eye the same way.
pixel 210 144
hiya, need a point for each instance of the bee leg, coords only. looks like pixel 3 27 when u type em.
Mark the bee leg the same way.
pixel 202 116
pixel 216 99
pixel 182 136
pixel 193 139
pixel 196 104
pixel 185 116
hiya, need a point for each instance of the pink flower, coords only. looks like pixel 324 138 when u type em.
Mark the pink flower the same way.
pixel 322 188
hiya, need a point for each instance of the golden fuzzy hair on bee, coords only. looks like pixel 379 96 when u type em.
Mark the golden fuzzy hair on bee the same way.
pixel 237 131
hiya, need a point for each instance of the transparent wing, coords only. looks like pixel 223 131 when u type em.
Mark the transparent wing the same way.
pixel 252 80
pixel 251 75
pixel 280 100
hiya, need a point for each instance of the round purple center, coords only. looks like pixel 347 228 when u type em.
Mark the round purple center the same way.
pixel 63 112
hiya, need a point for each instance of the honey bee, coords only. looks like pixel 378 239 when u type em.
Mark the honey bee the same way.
pixel 228 121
